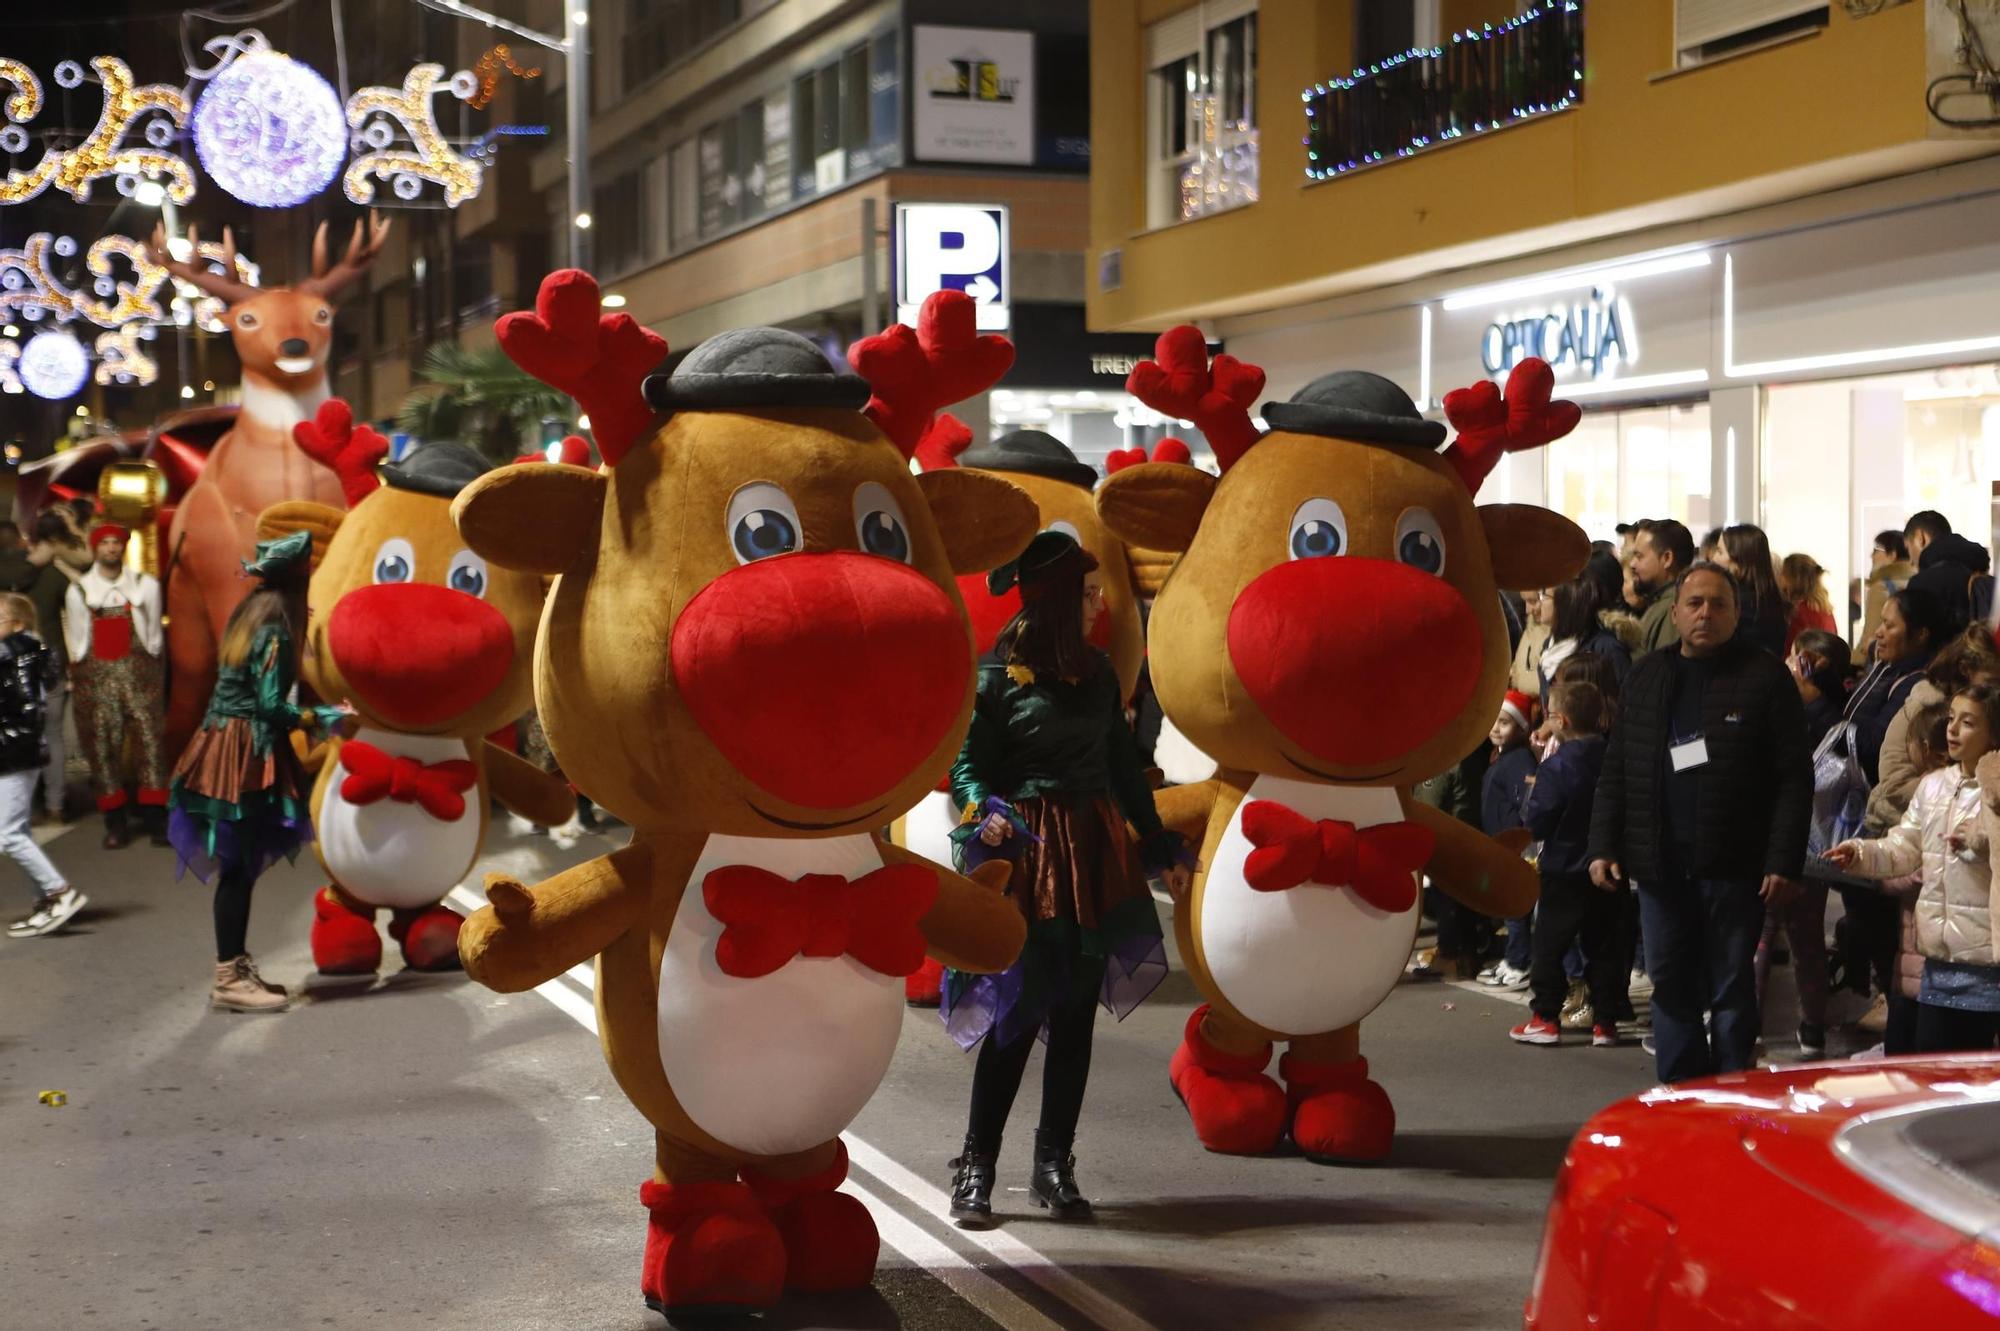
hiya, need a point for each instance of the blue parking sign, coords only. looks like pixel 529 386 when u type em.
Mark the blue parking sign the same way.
pixel 953 247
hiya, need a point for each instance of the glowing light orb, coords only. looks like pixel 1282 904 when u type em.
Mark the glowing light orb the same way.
pixel 270 130
pixel 54 365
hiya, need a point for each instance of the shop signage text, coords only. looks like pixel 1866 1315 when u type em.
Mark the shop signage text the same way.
pixel 1591 337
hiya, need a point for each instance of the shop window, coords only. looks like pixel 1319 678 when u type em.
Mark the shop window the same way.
pixel 713 171
pixel 804 137
pixel 829 158
pixel 662 33
pixel 1620 466
pixel 620 217
pixel 777 110
pixel 884 85
pixel 683 196
pixel 747 170
pixel 854 110
pixel 1706 30
pixel 1202 112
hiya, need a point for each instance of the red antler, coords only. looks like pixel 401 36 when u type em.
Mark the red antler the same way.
pixel 599 359
pixel 914 374
pixel 1181 382
pixel 351 451
pixel 575 452
pixel 947 437
pixel 1489 425
pixel 1167 450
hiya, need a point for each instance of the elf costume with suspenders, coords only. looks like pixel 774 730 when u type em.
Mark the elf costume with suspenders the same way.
pixel 112 628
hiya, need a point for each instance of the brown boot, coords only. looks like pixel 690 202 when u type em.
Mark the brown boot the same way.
pixel 238 988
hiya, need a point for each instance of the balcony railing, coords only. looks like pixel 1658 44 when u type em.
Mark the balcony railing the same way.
pixel 1476 81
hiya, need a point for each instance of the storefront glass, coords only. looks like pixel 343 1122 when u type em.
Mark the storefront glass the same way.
pixel 1847 459
pixel 1620 466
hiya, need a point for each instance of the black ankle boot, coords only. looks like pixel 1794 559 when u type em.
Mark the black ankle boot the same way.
pixel 116 837
pixel 1054 1182
pixel 972 1187
pixel 156 825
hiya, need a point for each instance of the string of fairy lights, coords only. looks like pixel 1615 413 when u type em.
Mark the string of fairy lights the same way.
pixel 266 129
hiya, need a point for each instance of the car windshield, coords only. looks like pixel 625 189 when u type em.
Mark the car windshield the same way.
pixel 1943 1160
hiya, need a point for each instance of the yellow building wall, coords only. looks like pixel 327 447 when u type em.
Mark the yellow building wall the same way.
pixel 1645 146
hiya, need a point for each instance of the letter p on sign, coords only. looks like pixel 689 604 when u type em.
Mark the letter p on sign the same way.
pixel 952 247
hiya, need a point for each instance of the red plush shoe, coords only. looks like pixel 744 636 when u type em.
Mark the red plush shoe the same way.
pixel 830 1239
pixel 429 937
pixel 1339 1116
pixel 1236 1109
pixel 925 987
pixel 343 942
pixel 709 1249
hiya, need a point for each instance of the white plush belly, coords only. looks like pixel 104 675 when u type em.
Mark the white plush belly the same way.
pixel 388 853
pixel 927 828
pixel 1314 958
pixel 785 1061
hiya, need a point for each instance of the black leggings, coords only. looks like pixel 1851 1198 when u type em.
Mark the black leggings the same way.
pixel 996 1077
pixel 232 911
pixel 1950 1030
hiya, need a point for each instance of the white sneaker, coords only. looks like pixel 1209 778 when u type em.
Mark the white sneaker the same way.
pixel 1868 1055
pixel 1510 977
pixel 52 914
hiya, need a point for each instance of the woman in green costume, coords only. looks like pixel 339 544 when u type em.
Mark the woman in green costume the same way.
pixel 1048 777
pixel 239 797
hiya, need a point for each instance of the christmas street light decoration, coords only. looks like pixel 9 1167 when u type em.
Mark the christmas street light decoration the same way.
pixel 10 374
pixel 488 69
pixel 377 115
pixel 269 130
pixel 54 365
pixel 122 358
pixel 156 111
pixel 29 286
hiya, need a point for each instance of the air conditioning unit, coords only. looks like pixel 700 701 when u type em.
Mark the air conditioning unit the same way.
pixel 1706 30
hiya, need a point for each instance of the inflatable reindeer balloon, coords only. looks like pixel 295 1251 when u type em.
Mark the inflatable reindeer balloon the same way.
pixel 755 654
pixel 1331 636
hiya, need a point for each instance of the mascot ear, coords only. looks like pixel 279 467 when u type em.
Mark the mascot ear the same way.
pixel 1532 547
pixel 536 518
pixel 984 520
pixel 282 519
pixel 1155 505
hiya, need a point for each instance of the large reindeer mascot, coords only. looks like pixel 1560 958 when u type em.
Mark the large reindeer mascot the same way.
pixel 755 654
pixel 282 337
pixel 1331 636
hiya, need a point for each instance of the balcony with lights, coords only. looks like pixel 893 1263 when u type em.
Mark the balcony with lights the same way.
pixel 1474 82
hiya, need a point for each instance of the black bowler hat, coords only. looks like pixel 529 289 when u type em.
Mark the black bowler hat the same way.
pixel 441 469
pixel 1049 552
pixel 1030 453
pixel 1354 404
pixel 754 367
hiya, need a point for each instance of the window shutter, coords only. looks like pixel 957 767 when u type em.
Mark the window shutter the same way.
pixel 1699 22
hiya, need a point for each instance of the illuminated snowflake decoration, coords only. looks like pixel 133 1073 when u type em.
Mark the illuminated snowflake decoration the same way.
pixel 54 365
pixel 270 130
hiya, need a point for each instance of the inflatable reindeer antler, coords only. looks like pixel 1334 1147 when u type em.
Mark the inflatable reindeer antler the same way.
pixel 1181 382
pixel 575 452
pixel 599 359
pixel 1490 425
pixel 915 373
pixel 1167 450
pixel 947 437
pixel 350 451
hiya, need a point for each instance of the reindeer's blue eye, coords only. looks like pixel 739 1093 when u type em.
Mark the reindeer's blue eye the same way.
pixel 879 524
pixel 1420 541
pixel 467 574
pixel 1319 530
pixel 395 561
pixel 763 521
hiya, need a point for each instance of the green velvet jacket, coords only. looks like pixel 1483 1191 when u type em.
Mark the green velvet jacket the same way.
pixel 1039 738
pixel 259 691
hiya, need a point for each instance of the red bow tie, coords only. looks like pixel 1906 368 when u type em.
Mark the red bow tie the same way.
pixel 1380 863
pixel 374 775
pixel 767 919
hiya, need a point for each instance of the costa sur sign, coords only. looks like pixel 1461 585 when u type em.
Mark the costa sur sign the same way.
pixel 1592 337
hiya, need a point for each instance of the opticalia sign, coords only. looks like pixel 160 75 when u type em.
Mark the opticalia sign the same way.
pixel 1590 337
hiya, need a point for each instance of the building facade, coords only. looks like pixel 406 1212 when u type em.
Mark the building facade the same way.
pixel 1745 243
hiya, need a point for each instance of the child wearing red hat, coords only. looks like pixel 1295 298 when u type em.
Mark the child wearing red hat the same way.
pixel 1503 795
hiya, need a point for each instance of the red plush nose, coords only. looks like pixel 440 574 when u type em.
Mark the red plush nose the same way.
pixel 825 679
pixel 1357 661
pixel 417 654
pixel 989 614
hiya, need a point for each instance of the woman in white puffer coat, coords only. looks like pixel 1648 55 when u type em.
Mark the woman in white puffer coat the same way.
pixel 1946 832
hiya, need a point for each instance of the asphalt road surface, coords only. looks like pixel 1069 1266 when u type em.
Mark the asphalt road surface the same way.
pixel 414 1151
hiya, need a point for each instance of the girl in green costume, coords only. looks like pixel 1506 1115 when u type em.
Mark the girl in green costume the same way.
pixel 239 796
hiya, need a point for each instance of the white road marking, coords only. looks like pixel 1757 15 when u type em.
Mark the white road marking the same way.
pixel 922 1249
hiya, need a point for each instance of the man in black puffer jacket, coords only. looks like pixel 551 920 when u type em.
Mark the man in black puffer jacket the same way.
pixel 1946 570
pixel 1704 800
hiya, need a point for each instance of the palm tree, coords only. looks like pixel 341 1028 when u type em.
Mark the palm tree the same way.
pixel 480 398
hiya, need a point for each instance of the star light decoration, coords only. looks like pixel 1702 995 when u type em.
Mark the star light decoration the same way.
pixel 269 130
pixel 156 112
pixel 381 117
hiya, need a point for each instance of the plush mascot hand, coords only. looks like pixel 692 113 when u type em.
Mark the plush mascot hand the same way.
pixel 599 359
pixel 332 439
pixel 510 900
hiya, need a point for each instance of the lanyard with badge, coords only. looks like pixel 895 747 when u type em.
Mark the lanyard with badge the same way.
pixel 1686 752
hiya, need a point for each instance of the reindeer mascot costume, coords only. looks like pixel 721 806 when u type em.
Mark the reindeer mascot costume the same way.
pixel 431 647
pixel 1331 636
pixel 755 654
